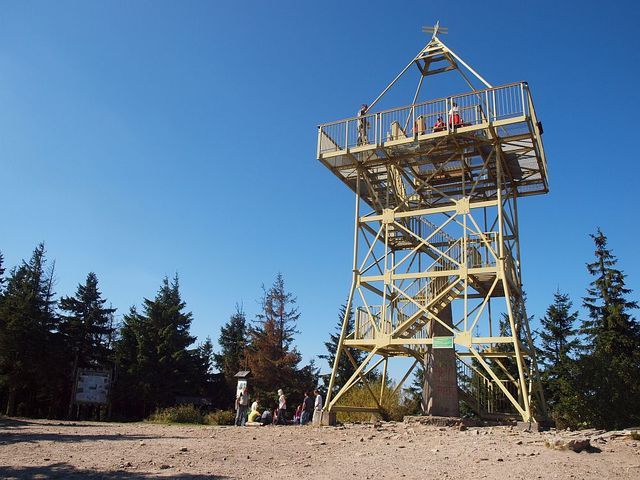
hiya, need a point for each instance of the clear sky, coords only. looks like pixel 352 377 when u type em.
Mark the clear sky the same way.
pixel 139 139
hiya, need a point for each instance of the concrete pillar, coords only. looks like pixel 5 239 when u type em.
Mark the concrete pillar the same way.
pixel 440 393
pixel 323 418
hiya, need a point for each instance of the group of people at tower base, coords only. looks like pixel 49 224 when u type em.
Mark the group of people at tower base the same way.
pixel 304 413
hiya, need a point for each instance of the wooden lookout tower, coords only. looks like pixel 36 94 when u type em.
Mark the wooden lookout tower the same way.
pixel 436 257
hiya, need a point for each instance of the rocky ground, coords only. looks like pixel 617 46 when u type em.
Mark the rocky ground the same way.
pixel 51 449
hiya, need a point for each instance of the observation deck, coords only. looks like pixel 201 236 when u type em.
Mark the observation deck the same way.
pixel 403 149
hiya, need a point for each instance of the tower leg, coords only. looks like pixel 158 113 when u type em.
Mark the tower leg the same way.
pixel 440 392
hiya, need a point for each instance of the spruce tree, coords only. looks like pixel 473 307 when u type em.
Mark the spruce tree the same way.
pixel 154 357
pixel 557 332
pixel 129 393
pixel 87 328
pixel 230 359
pixel 270 354
pixel 30 367
pixel 232 341
pixel 345 368
pixel 2 270
pixel 610 367
pixel 558 344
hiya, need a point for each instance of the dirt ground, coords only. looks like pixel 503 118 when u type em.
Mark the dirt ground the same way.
pixel 42 449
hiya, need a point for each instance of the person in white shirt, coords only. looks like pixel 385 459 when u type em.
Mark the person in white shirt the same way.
pixel 282 408
pixel 363 125
pixel 318 403
pixel 242 403
pixel 317 407
pixel 454 115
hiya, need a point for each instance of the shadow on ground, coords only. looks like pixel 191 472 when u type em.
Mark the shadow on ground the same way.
pixel 63 470
pixel 7 423
pixel 14 431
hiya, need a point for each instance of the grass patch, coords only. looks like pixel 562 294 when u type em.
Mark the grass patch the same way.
pixel 220 417
pixel 394 405
pixel 191 415
pixel 177 414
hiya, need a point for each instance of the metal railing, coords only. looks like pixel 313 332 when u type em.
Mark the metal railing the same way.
pixel 482 249
pixel 474 108
pixel 488 396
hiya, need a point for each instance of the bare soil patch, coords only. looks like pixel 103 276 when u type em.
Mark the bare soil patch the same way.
pixel 51 449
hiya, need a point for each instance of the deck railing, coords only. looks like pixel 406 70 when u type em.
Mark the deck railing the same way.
pixel 475 108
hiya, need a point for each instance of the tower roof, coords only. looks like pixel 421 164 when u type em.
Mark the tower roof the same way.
pixel 434 58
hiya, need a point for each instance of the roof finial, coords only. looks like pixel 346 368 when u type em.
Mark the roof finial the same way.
pixel 435 30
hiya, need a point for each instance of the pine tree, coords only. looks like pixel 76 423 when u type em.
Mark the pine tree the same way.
pixel 557 333
pixel 270 354
pixel 87 328
pixel 29 344
pixel 345 368
pixel 232 341
pixel 230 360
pixel 154 357
pixel 208 384
pixel 205 356
pixel 610 367
pixel 558 343
pixel 129 395
pixel 2 270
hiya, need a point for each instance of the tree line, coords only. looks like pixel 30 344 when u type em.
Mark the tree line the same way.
pixel 152 356
pixel 590 367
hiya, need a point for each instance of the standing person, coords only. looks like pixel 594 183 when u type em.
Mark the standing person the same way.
pixel 318 403
pixel 363 125
pixel 282 408
pixel 317 406
pixel 242 403
pixel 307 409
pixel 454 115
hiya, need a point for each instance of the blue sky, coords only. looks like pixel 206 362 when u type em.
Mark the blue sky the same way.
pixel 142 138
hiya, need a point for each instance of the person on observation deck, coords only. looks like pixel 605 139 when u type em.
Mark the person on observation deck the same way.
pixel 454 115
pixel 363 125
pixel 439 125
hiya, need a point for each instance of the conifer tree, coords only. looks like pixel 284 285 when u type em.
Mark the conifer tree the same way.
pixel 345 368
pixel 129 396
pixel 609 378
pixel 2 270
pixel 557 332
pixel 270 354
pixel 558 343
pixel 232 341
pixel 154 356
pixel 87 327
pixel 205 354
pixel 29 345
pixel 230 360
pixel 208 384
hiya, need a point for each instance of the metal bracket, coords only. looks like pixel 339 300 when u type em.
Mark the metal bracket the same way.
pixel 462 206
pixel 388 216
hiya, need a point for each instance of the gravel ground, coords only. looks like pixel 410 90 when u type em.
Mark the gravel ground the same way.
pixel 51 449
